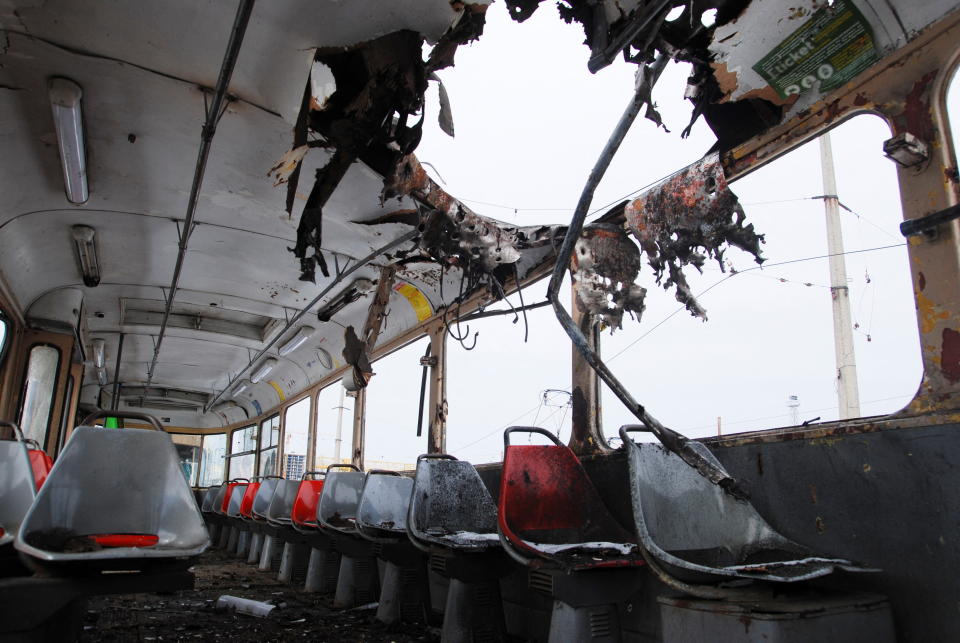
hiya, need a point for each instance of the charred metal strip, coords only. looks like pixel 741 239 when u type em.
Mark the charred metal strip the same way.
pixel 115 398
pixel 603 56
pixel 426 361
pixel 244 9
pixel 672 440
pixel 498 313
pixel 930 222
pixel 409 236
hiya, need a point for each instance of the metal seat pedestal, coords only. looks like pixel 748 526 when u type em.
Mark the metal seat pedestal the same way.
pixel 322 571
pixel 293 562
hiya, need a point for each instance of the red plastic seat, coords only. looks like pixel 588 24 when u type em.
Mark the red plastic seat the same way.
pixel 246 505
pixel 40 462
pixel 226 496
pixel 549 508
pixel 304 513
pixel 125 540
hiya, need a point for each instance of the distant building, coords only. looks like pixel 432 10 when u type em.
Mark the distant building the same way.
pixel 294 466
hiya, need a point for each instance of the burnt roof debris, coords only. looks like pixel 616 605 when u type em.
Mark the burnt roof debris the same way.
pixel 604 266
pixel 687 219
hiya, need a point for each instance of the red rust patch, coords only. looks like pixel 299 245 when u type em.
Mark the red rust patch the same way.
pixel 922 282
pixel 860 100
pixel 915 117
pixel 950 355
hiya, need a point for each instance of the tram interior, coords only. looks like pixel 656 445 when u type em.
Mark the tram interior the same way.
pixel 218 229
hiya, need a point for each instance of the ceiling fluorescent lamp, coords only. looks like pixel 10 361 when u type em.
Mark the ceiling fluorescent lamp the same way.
pixel 297 340
pixel 99 358
pixel 102 376
pixel 241 386
pixel 264 370
pixel 85 239
pixel 65 98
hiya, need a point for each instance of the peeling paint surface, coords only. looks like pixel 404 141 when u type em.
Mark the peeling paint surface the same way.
pixel 604 267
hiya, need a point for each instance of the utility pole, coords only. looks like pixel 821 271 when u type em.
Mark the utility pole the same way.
pixel 339 440
pixel 718 426
pixel 847 392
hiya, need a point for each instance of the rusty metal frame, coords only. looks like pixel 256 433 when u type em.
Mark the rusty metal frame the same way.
pixel 908 90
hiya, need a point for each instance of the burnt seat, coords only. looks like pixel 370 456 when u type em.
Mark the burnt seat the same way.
pixel 715 536
pixel 323 565
pixel 550 510
pixel 382 519
pixel 358 581
pixel 115 500
pixel 453 518
pixel 553 520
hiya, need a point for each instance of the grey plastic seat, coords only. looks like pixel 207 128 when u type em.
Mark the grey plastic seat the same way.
pixel 383 506
pixel 210 498
pixel 714 535
pixel 236 499
pixel 110 487
pixel 340 499
pixel 261 503
pixel 17 486
pixel 281 503
pixel 450 507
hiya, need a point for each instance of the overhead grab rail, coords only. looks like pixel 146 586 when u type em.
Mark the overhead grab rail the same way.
pixel 126 415
pixel 214 112
pixel 675 442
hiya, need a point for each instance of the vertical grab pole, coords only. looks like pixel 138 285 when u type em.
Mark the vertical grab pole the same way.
pixel 115 397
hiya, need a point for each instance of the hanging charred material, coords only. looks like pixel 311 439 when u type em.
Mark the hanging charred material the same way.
pixel 688 219
pixel 604 266
pixel 356 350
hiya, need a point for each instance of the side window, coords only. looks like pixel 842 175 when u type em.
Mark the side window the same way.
pixel 38 390
pixel 269 439
pixel 213 460
pixel 188 449
pixel 243 452
pixel 296 426
pixel 333 440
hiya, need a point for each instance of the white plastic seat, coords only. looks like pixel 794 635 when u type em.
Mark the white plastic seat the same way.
pixel 110 487
pixel 340 499
pixel 281 504
pixel 261 503
pixel 383 506
pixel 17 486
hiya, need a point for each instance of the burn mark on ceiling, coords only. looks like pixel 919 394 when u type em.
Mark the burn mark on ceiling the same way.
pixel 685 220
pixel 604 267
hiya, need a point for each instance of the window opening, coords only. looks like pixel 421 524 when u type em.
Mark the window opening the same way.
pixel 296 427
pixel 39 388
pixel 243 452
pixel 269 439
pixel 766 356
pixel 513 377
pixel 333 442
pixel 188 451
pixel 213 460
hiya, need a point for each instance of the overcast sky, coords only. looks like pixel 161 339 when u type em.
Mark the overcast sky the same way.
pixel 530 122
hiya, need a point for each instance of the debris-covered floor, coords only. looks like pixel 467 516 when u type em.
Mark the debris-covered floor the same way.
pixel 192 615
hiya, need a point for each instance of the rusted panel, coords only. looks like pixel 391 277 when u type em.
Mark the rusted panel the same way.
pixel 604 266
pixel 950 355
pixel 688 219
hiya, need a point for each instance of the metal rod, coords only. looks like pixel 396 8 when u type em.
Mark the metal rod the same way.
pixel 244 9
pixel 115 396
pixel 672 440
pixel 313 302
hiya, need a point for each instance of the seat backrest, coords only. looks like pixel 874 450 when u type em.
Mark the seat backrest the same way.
pixel 41 464
pixel 224 505
pixel 123 488
pixel 210 498
pixel 17 487
pixel 340 499
pixel 723 529
pixel 304 512
pixel 281 505
pixel 384 503
pixel 261 502
pixel 449 497
pixel 246 505
pixel 236 499
pixel 547 497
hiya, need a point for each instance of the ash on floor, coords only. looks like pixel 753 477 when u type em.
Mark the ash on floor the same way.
pixel 192 616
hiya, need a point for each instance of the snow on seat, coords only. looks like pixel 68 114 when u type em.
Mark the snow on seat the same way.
pixel 450 507
pixel 17 485
pixel 699 531
pixel 549 509
pixel 382 509
pixel 115 498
